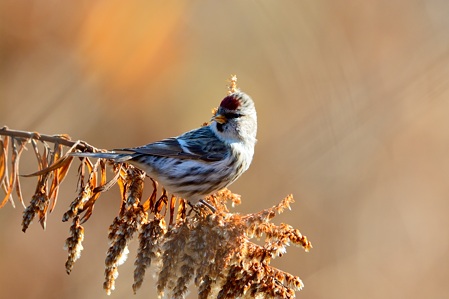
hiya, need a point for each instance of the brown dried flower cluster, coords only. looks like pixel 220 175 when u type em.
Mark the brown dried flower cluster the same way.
pixel 213 251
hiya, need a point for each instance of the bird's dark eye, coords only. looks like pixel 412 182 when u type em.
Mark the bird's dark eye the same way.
pixel 232 115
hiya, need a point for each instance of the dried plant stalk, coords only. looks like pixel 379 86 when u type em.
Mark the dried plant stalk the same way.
pixel 214 251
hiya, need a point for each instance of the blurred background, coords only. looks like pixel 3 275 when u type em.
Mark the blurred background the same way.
pixel 352 99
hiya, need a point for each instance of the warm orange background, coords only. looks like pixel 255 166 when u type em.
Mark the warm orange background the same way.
pixel 353 103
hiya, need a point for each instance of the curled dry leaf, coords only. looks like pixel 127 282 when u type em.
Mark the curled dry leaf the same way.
pixel 15 167
pixel 16 159
pixel 62 162
pixel 85 191
pixel 89 204
pixel 3 161
pixel 151 200
pixel 4 172
pixel 54 187
pixel 172 209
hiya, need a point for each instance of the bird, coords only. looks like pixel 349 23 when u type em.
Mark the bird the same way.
pixel 202 161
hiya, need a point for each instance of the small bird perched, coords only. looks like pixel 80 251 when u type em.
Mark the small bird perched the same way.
pixel 202 161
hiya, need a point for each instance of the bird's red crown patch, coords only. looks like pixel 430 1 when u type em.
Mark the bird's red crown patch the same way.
pixel 230 102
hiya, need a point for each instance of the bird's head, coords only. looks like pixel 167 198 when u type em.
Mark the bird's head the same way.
pixel 236 119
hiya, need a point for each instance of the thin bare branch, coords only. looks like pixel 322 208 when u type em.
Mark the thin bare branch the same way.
pixel 61 138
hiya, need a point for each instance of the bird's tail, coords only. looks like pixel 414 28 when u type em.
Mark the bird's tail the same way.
pixel 113 156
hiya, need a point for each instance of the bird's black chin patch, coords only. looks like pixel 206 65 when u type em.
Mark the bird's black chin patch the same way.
pixel 220 127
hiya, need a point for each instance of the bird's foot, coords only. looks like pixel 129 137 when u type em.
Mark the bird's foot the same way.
pixel 211 207
pixel 202 205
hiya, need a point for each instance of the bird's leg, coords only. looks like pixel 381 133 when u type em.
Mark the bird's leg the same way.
pixel 197 208
pixel 211 207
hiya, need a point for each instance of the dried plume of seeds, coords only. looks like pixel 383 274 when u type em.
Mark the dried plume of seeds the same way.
pixel 213 251
pixel 73 244
pixel 125 225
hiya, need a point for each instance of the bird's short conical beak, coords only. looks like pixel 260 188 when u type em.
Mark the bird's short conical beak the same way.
pixel 221 119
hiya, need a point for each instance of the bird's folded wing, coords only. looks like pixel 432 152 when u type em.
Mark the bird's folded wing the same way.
pixel 198 144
